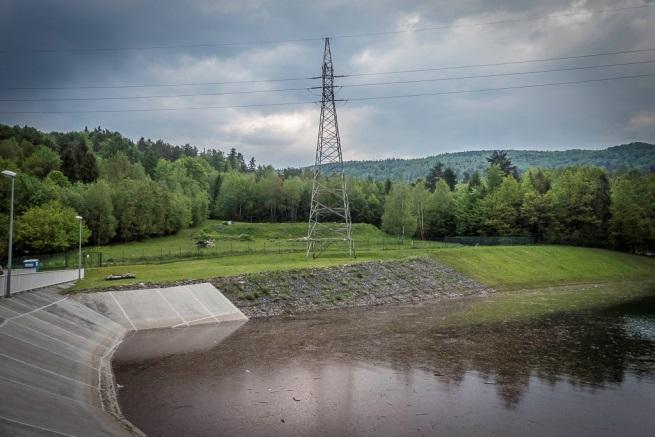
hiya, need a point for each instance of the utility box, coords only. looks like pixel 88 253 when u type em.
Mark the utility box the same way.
pixel 32 264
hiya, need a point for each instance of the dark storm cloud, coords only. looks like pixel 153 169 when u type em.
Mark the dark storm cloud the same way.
pixel 591 115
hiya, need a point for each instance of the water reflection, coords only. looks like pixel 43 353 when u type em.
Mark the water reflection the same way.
pixel 404 371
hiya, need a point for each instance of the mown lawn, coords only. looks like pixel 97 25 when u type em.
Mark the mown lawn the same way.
pixel 501 267
pixel 514 267
pixel 232 265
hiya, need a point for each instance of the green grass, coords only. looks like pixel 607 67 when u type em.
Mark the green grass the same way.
pixel 270 237
pixel 504 268
pixel 229 266
pixel 515 267
pixel 523 304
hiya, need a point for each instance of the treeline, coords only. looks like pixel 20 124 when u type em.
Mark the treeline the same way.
pixel 129 191
pixel 580 205
pixel 124 190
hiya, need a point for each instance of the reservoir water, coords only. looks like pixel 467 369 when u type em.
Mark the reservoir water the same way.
pixel 397 371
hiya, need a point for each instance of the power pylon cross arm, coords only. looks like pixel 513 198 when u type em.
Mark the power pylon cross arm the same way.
pixel 329 213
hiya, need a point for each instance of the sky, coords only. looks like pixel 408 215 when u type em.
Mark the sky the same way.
pixel 112 46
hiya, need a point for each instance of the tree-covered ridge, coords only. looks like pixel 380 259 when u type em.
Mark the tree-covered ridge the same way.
pixel 633 155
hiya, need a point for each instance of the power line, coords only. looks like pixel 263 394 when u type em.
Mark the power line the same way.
pixel 490 75
pixel 337 36
pixel 498 64
pixel 189 108
pixel 480 90
pixel 339 100
pixel 163 85
pixel 418 70
pixel 159 96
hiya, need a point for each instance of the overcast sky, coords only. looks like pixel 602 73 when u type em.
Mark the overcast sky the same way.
pixel 589 115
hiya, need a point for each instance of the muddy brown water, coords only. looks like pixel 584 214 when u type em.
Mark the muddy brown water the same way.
pixel 397 371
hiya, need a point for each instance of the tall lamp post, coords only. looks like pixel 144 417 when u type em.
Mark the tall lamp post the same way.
pixel 79 255
pixel 12 175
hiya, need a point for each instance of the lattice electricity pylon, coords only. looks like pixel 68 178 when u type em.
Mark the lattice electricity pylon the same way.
pixel 329 214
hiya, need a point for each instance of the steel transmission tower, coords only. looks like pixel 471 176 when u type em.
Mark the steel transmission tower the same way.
pixel 329 214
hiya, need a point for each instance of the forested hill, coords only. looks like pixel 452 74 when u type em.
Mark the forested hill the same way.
pixel 633 155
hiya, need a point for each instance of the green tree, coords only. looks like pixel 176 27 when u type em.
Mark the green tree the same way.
pixel 97 209
pixel 580 206
pixel 236 196
pixel 118 167
pixel 292 189
pixel 268 189
pixel 434 175
pixel 440 211
pixel 468 211
pixel 450 178
pixel 500 159
pixel 502 209
pixel 398 218
pixel 419 201
pixel 494 178
pixel 374 209
pixel 48 228
pixel 632 223
pixel 41 162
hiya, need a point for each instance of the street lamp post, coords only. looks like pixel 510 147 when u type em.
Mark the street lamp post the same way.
pixel 79 255
pixel 12 175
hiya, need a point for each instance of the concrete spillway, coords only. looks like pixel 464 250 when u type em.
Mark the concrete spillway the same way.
pixel 55 353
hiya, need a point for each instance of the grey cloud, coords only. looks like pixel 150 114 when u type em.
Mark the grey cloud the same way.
pixel 590 115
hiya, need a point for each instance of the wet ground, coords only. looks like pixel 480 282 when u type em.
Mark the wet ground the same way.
pixel 395 371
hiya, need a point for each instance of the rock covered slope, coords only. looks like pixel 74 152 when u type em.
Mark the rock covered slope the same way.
pixel 372 283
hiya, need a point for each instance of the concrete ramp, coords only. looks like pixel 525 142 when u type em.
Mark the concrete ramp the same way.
pixel 172 307
pixel 54 361
pixel 55 352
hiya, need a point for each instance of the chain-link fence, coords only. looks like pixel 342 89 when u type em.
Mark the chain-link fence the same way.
pixel 117 256
pixel 61 261
pixel 492 241
pixel 274 247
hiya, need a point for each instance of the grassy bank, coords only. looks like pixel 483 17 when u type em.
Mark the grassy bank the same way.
pixel 503 268
pixel 230 266
pixel 236 238
pixel 515 267
pixel 524 304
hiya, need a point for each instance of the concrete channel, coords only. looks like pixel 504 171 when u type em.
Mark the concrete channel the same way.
pixel 55 352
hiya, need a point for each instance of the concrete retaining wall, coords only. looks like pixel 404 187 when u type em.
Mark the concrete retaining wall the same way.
pixel 172 307
pixel 55 353
pixel 28 279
